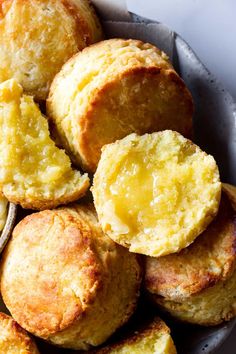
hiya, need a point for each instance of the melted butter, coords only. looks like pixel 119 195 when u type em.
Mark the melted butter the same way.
pixel 147 193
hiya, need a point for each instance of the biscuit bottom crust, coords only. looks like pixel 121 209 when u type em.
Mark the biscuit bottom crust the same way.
pixel 155 193
pixel 208 308
pixel 13 339
pixel 78 286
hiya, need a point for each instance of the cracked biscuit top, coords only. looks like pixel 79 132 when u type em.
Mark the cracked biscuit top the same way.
pixel 62 278
pixel 38 36
pixel 13 339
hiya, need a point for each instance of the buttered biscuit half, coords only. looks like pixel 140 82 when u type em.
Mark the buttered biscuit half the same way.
pixel 155 193
pixel 38 37
pixel 198 284
pixel 76 285
pixel 33 171
pixel 112 89
pixel 13 339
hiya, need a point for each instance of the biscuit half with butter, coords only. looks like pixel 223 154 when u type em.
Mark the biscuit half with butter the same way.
pixel 33 172
pixel 114 88
pixel 198 284
pixel 155 193
pixel 13 339
pixel 65 281
pixel 154 338
pixel 38 37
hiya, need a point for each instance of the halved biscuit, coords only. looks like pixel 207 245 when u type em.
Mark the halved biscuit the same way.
pixel 154 338
pixel 33 172
pixel 65 281
pixel 155 193
pixel 112 89
pixel 38 37
pixel 204 274
pixel 210 259
pixel 3 211
pixel 13 339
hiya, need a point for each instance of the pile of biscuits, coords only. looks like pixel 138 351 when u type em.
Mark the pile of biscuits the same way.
pixel 78 111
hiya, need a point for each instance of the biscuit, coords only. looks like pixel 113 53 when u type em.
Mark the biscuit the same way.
pixel 208 260
pixel 204 274
pixel 38 37
pixel 65 281
pixel 155 193
pixel 3 211
pixel 154 338
pixel 210 307
pixel 13 339
pixel 114 88
pixel 33 172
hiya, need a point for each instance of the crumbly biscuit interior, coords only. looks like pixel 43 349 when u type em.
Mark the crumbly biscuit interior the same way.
pixel 156 188
pixel 31 163
pixel 158 343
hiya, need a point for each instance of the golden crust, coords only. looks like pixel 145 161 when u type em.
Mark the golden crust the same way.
pixel 34 172
pixel 13 339
pixel 38 37
pixel 155 193
pixel 154 338
pixel 210 307
pixel 210 259
pixel 105 84
pixel 71 278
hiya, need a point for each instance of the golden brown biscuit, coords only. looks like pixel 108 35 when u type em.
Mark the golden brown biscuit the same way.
pixel 209 259
pixel 38 36
pixel 3 211
pixel 210 307
pixel 13 339
pixel 155 338
pixel 112 89
pixel 198 285
pixel 65 281
pixel 155 193
pixel 33 171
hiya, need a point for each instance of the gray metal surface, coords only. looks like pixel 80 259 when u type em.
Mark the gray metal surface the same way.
pixel 6 232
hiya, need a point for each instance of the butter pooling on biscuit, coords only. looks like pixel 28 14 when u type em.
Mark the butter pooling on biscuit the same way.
pixel 155 193
pixel 114 88
pixel 154 338
pixel 65 281
pixel 33 171
pixel 38 36
pixel 13 339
